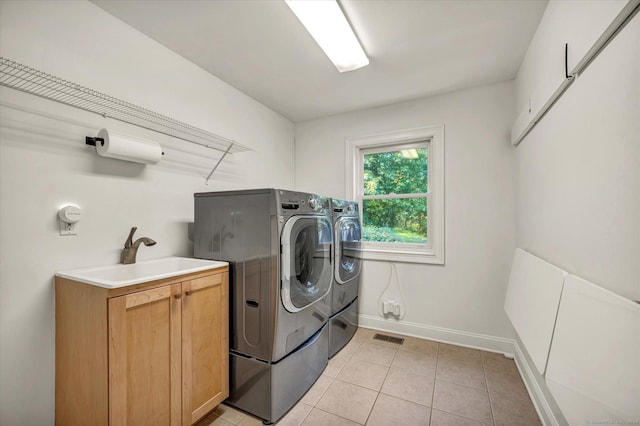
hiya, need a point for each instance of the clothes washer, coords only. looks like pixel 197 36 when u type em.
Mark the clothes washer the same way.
pixel 347 264
pixel 279 246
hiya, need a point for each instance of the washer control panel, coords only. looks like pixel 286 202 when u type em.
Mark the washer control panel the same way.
pixel 300 202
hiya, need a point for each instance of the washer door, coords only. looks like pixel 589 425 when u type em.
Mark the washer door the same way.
pixel 348 245
pixel 306 261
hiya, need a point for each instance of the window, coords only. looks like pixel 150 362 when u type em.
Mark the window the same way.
pixel 398 180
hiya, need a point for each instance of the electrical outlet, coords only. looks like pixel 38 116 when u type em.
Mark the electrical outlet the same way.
pixel 67 228
pixel 391 307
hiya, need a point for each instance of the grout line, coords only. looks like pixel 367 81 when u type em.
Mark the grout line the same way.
pixel 486 382
pixel 461 416
pixel 464 386
pixel 435 375
pixel 308 414
pixel 338 415
pixel 373 406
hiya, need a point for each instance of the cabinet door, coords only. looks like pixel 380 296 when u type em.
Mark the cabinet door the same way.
pixel 144 357
pixel 205 345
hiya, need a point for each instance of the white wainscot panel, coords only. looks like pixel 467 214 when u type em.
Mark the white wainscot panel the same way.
pixel 532 302
pixel 594 364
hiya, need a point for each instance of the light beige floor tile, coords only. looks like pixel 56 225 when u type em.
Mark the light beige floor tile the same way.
pixel 461 373
pixel 322 418
pixel 318 389
pixel 296 415
pixel 363 373
pixel 423 346
pixel 250 421
pixel 214 420
pixel 513 412
pixel 415 362
pixel 412 387
pixel 389 410
pixel 459 353
pixel 378 354
pixel 331 371
pixel 336 363
pixel 440 418
pixel 505 383
pixel 350 347
pixel 349 401
pixel 229 414
pixel 463 401
pixel 364 333
pixel 498 362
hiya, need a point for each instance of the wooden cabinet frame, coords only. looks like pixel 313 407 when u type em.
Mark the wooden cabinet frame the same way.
pixel 96 333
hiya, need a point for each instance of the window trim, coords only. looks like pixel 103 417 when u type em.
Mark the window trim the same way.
pixel 433 252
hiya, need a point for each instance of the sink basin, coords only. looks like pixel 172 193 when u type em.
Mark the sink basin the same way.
pixel 114 276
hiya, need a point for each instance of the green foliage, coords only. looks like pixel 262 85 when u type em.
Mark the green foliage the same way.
pixel 393 172
pixel 398 219
pixel 391 235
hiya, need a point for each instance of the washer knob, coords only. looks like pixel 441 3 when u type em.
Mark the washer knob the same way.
pixel 350 208
pixel 314 202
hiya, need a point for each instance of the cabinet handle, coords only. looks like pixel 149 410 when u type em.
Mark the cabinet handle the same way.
pixel 188 292
pixel 178 296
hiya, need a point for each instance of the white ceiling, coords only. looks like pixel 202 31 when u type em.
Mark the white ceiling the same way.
pixel 417 48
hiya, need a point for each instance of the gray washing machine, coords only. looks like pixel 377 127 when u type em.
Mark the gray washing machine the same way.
pixel 347 264
pixel 279 246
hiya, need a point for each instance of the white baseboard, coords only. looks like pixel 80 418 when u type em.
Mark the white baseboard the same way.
pixel 439 334
pixel 538 397
pixel 509 347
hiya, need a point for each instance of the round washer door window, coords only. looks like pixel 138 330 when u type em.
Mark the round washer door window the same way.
pixel 306 261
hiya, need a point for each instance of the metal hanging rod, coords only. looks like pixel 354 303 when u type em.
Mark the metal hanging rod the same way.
pixel 38 83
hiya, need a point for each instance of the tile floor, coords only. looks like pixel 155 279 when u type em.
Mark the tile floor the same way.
pixel 420 382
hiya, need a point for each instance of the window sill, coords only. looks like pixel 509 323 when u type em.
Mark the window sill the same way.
pixel 422 257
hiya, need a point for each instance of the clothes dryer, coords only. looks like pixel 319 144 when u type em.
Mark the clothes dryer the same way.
pixel 279 246
pixel 347 265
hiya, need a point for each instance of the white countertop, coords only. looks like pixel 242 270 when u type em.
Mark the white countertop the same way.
pixel 115 276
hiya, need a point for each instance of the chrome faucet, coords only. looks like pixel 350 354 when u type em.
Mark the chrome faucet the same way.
pixel 131 249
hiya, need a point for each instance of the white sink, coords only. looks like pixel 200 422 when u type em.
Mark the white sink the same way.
pixel 114 276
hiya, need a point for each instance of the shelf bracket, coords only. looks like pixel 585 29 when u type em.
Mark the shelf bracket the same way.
pixel 218 163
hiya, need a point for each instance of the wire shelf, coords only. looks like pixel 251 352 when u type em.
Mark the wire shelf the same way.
pixel 38 83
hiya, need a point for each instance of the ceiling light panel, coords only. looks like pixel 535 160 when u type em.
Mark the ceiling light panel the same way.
pixel 330 29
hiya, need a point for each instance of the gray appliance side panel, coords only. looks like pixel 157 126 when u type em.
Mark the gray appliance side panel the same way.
pixel 342 327
pixel 238 228
pixel 269 391
pixel 292 377
pixel 250 385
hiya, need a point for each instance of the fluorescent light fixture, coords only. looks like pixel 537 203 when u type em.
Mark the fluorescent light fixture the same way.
pixel 329 27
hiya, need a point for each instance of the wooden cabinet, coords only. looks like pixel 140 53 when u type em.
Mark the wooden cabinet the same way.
pixel 149 354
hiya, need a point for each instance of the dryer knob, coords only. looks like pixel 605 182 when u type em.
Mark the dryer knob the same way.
pixel 350 208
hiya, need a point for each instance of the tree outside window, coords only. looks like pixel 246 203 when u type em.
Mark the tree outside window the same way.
pixel 394 202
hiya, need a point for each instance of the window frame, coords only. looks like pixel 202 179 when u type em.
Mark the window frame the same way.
pixel 433 137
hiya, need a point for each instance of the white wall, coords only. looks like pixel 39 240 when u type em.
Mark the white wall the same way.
pixel 467 293
pixel 45 164
pixel 578 170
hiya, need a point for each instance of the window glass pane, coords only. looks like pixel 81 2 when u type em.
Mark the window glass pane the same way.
pixel 401 220
pixel 399 172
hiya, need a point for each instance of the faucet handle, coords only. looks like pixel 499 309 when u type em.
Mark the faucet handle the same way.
pixel 129 241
